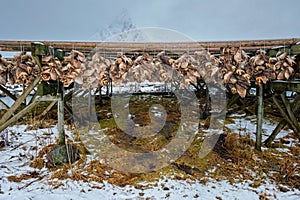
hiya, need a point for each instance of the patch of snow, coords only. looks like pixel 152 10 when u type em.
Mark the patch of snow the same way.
pixel 244 125
pixel 165 189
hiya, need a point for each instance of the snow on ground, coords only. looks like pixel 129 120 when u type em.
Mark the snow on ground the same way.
pixel 170 190
pixel 244 124
pixel 15 159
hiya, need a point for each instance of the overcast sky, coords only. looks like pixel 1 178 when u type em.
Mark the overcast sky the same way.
pixel 200 19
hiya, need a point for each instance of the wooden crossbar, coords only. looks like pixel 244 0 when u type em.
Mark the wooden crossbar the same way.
pixel 14 45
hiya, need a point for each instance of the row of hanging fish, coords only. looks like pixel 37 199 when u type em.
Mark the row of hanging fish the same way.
pixel 233 67
pixel 66 70
pixel 3 70
pixel 238 68
pixel 21 70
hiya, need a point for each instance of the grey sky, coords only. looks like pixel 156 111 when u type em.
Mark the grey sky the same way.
pixel 202 20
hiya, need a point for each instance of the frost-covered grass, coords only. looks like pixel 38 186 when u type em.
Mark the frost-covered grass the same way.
pixel 23 149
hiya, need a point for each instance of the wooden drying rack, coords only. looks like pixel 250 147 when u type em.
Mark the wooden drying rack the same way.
pixel 111 48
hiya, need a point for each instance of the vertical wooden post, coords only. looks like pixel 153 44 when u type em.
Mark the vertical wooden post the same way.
pixel 107 89
pixel 23 90
pixel 90 105
pixel 100 95
pixel 207 100
pixel 60 114
pixel 260 114
pixel 111 88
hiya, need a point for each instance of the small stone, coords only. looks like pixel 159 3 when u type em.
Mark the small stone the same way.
pixel 2 143
pixel 283 188
pixel 141 194
pixel 166 188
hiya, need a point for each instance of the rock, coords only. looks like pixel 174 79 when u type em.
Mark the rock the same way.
pixel 283 188
pixel 2 143
pixel 59 155
pixel 166 188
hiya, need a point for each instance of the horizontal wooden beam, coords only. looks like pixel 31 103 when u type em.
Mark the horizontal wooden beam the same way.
pixel 13 45
pixel 47 98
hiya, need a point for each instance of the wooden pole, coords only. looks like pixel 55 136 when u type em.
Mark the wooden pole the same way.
pixel 90 104
pixel 100 95
pixel 260 114
pixel 60 114
pixel 111 88
pixel 23 89
pixel 279 127
pixel 207 101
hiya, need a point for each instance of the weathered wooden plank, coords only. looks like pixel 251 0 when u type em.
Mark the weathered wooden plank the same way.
pixel 46 110
pixel 60 118
pixel 3 105
pixel 47 98
pixel 290 85
pixel 7 45
pixel 260 114
pixel 33 98
pixel 290 112
pixel 68 108
pixel 18 116
pixel 5 91
pixel 282 123
pixel 284 115
pixel 18 102
pixel 271 138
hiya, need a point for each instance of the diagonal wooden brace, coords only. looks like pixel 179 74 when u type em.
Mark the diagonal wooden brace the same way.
pixel 283 113
pixel 18 102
